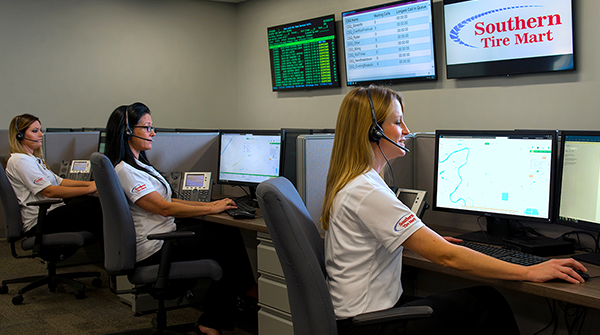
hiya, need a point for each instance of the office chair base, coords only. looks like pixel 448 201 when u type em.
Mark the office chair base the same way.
pixel 52 281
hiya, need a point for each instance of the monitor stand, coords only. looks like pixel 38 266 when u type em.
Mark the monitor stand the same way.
pixel 497 230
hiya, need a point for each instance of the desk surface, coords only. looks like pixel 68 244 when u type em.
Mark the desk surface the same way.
pixel 586 294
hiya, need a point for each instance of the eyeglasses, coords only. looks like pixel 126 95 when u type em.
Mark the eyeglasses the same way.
pixel 147 128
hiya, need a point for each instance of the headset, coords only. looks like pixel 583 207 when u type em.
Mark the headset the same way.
pixel 128 130
pixel 376 132
pixel 20 135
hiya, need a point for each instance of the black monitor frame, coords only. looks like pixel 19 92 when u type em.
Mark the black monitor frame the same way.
pixel 499 225
pixel 572 222
pixel 251 185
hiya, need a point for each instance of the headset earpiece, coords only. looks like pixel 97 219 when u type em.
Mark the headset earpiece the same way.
pixel 128 130
pixel 20 136
pixel 375 132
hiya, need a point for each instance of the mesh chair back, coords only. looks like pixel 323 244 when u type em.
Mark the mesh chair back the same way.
pixel 301 254
pixel 13 222
pixel 118 227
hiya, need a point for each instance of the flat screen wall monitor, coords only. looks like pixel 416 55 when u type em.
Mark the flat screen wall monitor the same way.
pixel 303 54
pixel 249 157
pixel 506 37
pixel 389 43
pixel 579 184
pixel 501 175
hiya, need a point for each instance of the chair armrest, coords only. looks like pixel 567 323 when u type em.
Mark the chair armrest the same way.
pixel 393 315
pixel 172 235
pixel 43 206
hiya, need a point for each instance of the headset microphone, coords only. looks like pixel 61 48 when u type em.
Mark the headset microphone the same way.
pixel 376 132
pixel 145 139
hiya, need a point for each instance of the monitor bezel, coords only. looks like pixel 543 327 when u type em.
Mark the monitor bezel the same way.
pixel 333 57
pixel 516 66
pixel 520 133
pixel 391 81
pixel 278 132
pixel 581 224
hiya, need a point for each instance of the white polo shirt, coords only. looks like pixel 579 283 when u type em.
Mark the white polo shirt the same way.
pixel 363 253
pixel 28 176
pixel 137 184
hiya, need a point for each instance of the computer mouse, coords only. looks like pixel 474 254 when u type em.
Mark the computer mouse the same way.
pixel 583 275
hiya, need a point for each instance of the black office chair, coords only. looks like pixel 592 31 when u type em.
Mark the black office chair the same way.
pixel 166 281
pixel 301 254
pixel 51 248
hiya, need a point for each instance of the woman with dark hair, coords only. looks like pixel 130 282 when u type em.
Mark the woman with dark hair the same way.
pixel 368 227
pixel 32 180
pixel 129 133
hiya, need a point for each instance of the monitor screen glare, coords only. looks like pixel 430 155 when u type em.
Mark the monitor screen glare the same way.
pixel 495 174
pixel 249 159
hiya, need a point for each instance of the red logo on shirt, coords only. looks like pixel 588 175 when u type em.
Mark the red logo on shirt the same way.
pixel 138 188
pixel 405 221
pixel 38 180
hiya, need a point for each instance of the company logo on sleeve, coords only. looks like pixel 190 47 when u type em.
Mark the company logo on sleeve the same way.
pixel 39 180
pixel 138 188
pixel 405 221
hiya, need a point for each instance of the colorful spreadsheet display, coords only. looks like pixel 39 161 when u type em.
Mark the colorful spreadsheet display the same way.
pixel 391 42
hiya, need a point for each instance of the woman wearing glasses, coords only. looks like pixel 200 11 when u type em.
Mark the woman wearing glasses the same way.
pixel 129 134
pixel 32 180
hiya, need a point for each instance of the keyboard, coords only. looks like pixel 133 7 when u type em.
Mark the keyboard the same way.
pixel 244 205
pixel 507 255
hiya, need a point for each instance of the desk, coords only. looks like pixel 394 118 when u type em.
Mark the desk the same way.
pixel 586 294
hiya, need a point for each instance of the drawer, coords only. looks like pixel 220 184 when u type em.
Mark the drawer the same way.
pixel 273 322
pixel 272 292
pixel 267 259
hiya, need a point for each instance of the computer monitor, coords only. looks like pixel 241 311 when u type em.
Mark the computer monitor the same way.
pixel 249 157
pixel 579 184
pixel 501 175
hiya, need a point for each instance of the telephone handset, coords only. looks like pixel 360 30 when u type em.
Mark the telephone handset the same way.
pixel 192 186
pixel 76 169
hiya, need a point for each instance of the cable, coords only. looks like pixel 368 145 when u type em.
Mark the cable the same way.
pixel 390 167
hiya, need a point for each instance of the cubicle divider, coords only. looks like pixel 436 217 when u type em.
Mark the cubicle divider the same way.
pixel 4 153
pixel 185 152
pixel 312 160
pixel 59 146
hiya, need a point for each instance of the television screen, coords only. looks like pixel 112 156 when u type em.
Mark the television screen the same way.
pixel 303 54
pixel 389 43
pixel 505 37
pixel 503 174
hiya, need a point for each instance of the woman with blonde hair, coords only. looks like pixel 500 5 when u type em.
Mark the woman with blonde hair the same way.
pixel 368 227
pixel 32 180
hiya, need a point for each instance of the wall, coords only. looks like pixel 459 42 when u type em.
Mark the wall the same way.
pixel 566 100
pixel 72 62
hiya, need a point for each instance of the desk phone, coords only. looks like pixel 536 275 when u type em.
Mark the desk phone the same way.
pixel 192 186
pixel 77 169
pixel 413 199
